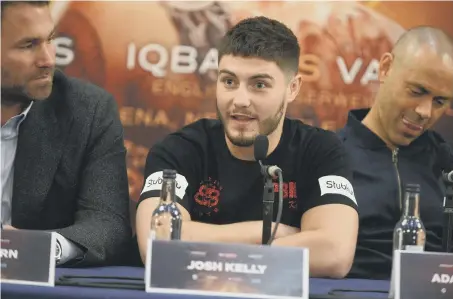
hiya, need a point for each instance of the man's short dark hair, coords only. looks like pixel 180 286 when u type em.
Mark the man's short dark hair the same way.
pixel 261 37
pixel 5 4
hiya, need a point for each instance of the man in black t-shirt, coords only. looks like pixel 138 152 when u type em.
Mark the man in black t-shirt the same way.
pixel 219 184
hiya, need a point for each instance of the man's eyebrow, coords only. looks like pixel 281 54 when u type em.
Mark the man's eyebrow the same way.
pixel 256 76
pixel 262 76
pixel 225 71
pixel 36 39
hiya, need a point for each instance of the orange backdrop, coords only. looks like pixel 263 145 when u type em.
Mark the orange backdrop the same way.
pixel 159 60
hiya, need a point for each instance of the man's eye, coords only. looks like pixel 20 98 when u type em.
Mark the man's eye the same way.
pixel 27 46
pixel 417 92
pixel 228 82
pixel 260 85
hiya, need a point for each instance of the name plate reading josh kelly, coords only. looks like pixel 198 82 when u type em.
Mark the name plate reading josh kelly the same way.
pixel 227 270
pixel 422 275
pixel 28 257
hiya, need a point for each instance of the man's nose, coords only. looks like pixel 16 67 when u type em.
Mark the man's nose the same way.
pixel 241 97
pixel 424 109
pixel 46 56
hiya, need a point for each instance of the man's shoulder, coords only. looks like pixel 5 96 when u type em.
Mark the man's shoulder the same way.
pixel 435 138
pixel 305 135
pixel 198 134
pixel 79 94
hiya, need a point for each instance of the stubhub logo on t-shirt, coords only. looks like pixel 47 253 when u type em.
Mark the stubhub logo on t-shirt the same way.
pixel 154 182
pixel 334 184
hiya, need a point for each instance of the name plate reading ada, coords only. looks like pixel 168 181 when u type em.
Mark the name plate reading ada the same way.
pixel 28 257
pixel 422 275
pixel 227 270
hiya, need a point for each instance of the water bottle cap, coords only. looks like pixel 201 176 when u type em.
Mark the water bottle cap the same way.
pixel 169 174
pixel 415 188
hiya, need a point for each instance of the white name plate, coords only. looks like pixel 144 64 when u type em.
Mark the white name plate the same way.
pixel 227 270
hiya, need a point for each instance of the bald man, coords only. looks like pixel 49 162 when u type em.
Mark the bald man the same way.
pixel 391 145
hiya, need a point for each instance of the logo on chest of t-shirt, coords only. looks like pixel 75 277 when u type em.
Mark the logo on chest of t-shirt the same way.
pixel 208 195
pixel 289 193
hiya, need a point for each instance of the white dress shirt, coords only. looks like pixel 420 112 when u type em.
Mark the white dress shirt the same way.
pixel 9 137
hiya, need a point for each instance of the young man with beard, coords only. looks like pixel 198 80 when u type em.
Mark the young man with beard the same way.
pixel 391 145
pixel 63 157
pixel 220 184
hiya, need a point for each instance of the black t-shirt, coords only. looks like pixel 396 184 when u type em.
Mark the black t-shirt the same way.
pixel 217 188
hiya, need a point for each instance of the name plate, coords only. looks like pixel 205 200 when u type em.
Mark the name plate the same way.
pixel 227 270
pixel 28 257
pixel 422 275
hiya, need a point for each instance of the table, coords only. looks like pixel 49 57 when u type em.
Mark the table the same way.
pixel 319 288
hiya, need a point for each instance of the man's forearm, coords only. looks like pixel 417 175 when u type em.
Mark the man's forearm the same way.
pixel 327 257
pixel 242 232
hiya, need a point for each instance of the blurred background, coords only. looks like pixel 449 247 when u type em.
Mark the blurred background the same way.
pixel 159 61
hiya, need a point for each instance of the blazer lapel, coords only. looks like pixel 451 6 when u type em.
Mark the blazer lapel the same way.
pixel 39 149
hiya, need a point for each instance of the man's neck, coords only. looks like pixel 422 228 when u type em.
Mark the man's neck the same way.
pixel 247 153
pixel 373 123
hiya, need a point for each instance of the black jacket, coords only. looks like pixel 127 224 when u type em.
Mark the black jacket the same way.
pixel 376 186
pixel 70 171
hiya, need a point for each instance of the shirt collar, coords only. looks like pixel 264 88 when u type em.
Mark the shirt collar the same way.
pixel 368 139
pixel 15 121
pixel 25 112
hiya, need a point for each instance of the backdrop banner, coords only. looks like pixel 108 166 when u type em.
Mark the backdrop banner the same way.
pixel 159 60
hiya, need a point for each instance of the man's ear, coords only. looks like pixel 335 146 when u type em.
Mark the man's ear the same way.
pixel 293 88
pixel 385 65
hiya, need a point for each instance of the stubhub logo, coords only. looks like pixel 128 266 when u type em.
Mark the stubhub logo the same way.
pixel 334 184
pixel 154 182
pixel 340 186
pixel 159 181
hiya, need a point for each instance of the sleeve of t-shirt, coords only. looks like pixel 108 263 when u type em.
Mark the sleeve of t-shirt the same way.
pixel 330 172
pixel 174 152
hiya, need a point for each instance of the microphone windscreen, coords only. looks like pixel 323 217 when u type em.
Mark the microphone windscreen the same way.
pixel 260 147
pixel 446 156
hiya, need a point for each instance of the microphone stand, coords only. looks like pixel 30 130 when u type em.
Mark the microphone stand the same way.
pixel 448 215
pixel 268 204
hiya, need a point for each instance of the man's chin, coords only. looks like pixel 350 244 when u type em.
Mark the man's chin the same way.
pixel 41 94
pixel 241 140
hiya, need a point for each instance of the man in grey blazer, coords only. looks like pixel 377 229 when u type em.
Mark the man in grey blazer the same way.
pixel 63 158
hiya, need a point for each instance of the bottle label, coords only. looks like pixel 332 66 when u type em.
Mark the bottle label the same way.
pixel 414 248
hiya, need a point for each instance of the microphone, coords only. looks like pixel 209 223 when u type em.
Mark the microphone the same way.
pixel 448 177
pixel 446 156
pixel 260 148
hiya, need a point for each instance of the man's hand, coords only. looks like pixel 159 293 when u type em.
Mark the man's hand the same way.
pixel 9 227
pixel 284 230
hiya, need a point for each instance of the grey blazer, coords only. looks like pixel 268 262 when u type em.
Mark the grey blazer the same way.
pixel 70 171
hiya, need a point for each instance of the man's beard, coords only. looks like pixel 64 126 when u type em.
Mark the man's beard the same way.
pixel 17 93
pixel 13 95
pixel 266 127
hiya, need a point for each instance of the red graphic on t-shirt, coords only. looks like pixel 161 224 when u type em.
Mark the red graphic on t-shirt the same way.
pixel 289 193
pixel 208 194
